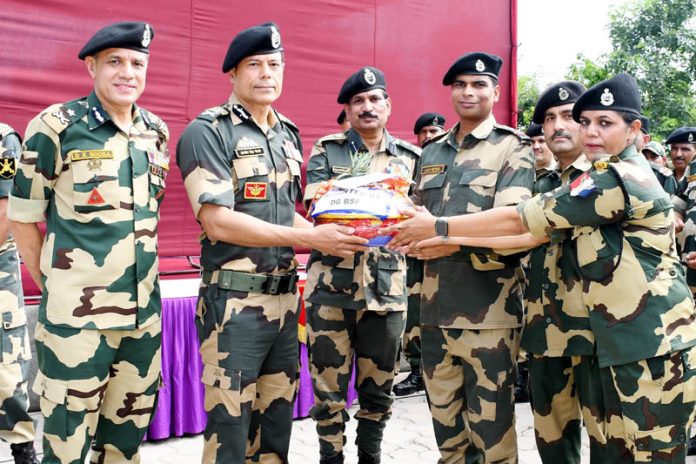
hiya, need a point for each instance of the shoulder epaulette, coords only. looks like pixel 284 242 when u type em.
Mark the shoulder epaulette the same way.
pixel 408 146
pixel 60 116
pixel 518 133
pixel 211 114
pixel 439 138
pixel 339 137
pixel 6 130
pixel 665 171
pixel 154 122
pixel 287 122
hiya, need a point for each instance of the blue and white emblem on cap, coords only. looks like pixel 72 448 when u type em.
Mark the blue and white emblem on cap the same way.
pixel 480 67
pixel 563 94
pixel 369 76
pixel 275 37
pixel 607 98
pixel 147 36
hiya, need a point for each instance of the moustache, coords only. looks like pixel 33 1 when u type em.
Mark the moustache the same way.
pixel 367 115
pixel 560 134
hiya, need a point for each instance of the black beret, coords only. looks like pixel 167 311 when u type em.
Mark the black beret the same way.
pixel 364 80
pixel 644 124
pixel 133 35
pixel 534 130
pixel 341 117
pixel 559 94
pixel 477 63
pixel 258 40
pixel 428 119
pixel 682 135
pixel 620 93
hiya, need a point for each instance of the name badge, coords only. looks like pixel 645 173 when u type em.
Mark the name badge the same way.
pixel 340 170
pixel 433 169
pixel 80 155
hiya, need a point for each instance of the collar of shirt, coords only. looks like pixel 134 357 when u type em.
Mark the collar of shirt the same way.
pixel 387 144
pixel 240 114
pixel 481 132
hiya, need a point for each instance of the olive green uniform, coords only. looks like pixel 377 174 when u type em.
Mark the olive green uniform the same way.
pixel 99 190
pixel 248 301
pixel 16 426
pixel 471 304
pixel 641 313
pixel 355 308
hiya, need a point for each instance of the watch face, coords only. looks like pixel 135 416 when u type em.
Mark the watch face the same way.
pixel 441 227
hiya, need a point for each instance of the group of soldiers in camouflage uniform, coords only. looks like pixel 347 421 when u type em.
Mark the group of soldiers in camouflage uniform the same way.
pixel 609 326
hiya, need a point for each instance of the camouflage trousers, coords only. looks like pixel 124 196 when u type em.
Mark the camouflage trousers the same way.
pixel 567 391
pixel 98 387
pixel 16 426
pixel 335 337
pixel 250 351
pixel 469 376
pixel 411 342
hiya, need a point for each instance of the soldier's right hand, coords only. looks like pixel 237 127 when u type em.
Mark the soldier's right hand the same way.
pixel 678 222
pixel 336 240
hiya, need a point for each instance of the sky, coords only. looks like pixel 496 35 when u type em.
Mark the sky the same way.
pixel 552 32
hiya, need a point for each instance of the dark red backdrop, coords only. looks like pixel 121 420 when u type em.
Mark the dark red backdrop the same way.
pixel 412 41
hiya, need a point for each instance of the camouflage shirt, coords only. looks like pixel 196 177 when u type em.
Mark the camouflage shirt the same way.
pixel 684 202
pixel 474 288
pixel 373 279
pixel 99 191
pixel 665 177
pixel 227 160
pixel 633 284
pixel 557 322
pixel 15 344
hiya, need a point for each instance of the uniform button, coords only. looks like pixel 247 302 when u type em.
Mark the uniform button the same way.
pixel 136 208
pixel 545 286
pixel 641 446
pixel 672 272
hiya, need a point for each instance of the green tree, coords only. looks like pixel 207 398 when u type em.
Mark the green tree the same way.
pixel 527 96
pixel 655 41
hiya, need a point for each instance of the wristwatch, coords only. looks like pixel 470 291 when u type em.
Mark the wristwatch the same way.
pixel 441 227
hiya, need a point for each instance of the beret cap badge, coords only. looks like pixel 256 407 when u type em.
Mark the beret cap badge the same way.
pixel 607 98
pixel 147 36
pixel 369 76
pixel 275 37
pixel 691 137
pixel 480 66
pixel 563 94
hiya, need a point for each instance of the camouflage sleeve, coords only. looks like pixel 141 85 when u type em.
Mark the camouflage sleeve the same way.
pixel 317 171
pixel 10 150
pixel 201 157
pixel 566 208
pixel 516 177
pixel 37 170
pixel 670 185
pixel 680 199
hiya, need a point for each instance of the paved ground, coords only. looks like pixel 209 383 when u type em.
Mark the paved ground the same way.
pixel 408 440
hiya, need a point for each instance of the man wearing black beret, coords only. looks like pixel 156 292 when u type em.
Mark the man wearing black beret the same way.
pixel 428 126
pixel 682 147
pixel 356 306
pixel 471 310
pixel 102 166
pixel 342 121
pixel 544 161
pixel 241 167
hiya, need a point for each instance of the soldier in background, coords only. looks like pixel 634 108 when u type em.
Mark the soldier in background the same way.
pixel 356 306
pixel 94 169
pixel 427 126
pixel 682 147
pixel 656 156
pixel 471 305
pixel 544 162
pixel 241 167
pixel 342 122
pixel 16 426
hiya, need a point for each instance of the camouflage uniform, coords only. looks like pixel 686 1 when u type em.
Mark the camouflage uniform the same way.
pixel 248 301
pixel 16 426
pixel 411 341
pixel 471 305
pixel 98 336
pixel 355 307
pixel 644 337
pixel 684 202
pixel 665 177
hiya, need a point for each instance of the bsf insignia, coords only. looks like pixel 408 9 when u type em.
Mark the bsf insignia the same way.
pixel 436 121
pixel 480 67
pixel 240 112
pixel 691 137
pixel 607 98
pixel 147 36
pixel 247 147
pixel 97 114
pixel 563 94
pixel 60 117
pixel 8 168
pixel 369 76
pixel 95 198
pixel 255 190
pixel 275 37
pixel 433 169
pixel 601 165
pixel 94 164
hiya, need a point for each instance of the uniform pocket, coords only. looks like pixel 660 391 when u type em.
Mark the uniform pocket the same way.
pixel 53 399
pixel 598 250
pixel 251 166
pixel 222 393
pixel 95 185
pixel 15 339
pixel 391 273
pixel 476 191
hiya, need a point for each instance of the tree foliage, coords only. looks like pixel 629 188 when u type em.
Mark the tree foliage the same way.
pixel 655 41
pixel 527 96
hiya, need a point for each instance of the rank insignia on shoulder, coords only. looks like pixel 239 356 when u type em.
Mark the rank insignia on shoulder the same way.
pixel 255 190
pixel 95 198
pixel 583 186
pixel 601 165
pixel 247 147
pixel 8 167
pixel 433 169
pixel 691 178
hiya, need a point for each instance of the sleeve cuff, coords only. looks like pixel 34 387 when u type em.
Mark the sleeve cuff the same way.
pixel 532 214
pixel 26 210
pixel 310 191
pixel 679 205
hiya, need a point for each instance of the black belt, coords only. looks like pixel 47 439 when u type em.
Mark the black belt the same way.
pixel 270 284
